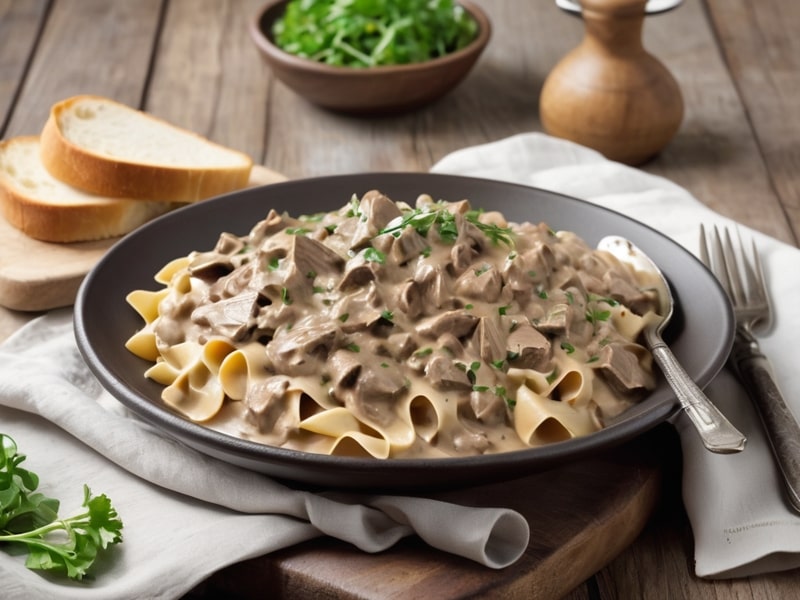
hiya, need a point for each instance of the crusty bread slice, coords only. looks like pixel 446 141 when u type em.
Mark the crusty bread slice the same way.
pixel 107 148
pixel 44 208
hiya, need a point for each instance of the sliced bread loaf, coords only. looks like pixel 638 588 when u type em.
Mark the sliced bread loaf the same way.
pixel 44 208
pixel 107 148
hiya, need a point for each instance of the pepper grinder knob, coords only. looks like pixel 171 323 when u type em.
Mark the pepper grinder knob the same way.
pixel 609 93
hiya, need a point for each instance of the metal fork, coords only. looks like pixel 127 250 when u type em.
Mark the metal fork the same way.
pixel 742 275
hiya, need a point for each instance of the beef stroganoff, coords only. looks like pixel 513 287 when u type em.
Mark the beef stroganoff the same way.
pixel 393 331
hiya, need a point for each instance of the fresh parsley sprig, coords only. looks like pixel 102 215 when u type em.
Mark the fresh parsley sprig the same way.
pixel 66 546
pixel 423 219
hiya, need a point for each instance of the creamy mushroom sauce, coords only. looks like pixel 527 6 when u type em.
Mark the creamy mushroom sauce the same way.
pixel 425 324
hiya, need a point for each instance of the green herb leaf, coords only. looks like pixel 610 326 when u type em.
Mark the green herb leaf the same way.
pixel 374 255
pixel 366 33
pixel 297 230
pixel 29 518
pixel 595 315
pixel 495 233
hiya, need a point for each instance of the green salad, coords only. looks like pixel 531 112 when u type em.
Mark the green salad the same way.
pixel 369 33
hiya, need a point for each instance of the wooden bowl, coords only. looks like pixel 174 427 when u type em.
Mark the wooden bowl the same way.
pixel 369 90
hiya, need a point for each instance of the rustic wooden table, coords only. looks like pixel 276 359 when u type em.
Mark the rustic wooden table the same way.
pixel 191 62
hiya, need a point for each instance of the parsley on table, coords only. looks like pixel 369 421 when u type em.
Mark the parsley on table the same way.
pixel 65 546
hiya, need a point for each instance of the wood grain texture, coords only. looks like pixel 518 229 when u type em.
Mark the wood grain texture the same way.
pixel 609 93
pixel 207 75
pixel 86 47
pixel 19 27
pixel 190 61
pixel 761 47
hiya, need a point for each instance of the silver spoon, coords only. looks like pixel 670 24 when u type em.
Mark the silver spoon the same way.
pixel 716 432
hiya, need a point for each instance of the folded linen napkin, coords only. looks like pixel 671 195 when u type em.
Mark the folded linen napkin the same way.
pixel 202 514
pixel 741 522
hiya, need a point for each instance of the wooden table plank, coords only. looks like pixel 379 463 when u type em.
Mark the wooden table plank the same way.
pixel 208 77
pixel 762 49
pixel 19 27
pixel 87 47
pixel 716 135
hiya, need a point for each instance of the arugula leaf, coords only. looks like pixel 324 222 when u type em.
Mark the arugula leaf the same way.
pixel 67 546
pixel 368 33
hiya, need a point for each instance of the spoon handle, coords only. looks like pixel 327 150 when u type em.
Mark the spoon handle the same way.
pixel 716 432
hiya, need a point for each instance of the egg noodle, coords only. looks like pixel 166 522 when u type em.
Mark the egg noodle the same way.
pixel 389 330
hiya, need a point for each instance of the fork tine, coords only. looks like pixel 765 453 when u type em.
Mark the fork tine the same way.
pixel 732 270
pixel 711 253
pixel 739 271
pixel 759 285
pixel 704 255
pixel 715 257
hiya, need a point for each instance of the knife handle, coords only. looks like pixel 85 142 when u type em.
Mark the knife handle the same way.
pixel 783 431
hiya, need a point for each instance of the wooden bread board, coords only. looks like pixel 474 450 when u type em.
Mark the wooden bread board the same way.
pixel 36 275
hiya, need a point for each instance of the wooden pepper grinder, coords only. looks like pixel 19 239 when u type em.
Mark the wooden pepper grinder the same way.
pixel 609 93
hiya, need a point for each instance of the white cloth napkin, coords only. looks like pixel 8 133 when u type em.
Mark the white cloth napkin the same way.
pixel 740 520
pixel 202 514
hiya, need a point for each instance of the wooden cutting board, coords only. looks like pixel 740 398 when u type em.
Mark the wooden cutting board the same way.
pixel 581 516
pixel 36 276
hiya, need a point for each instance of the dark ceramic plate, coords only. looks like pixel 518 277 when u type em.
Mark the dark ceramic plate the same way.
pixel 701 334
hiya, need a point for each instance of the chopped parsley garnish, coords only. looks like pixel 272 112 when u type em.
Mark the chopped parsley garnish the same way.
pixel 423 219
pixel 355 207
pixel 315 218
pixel 595 315
pixel 374 255
pixel 297 230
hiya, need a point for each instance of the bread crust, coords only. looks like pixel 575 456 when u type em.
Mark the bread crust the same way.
pixel 77 221
pixel 98 174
